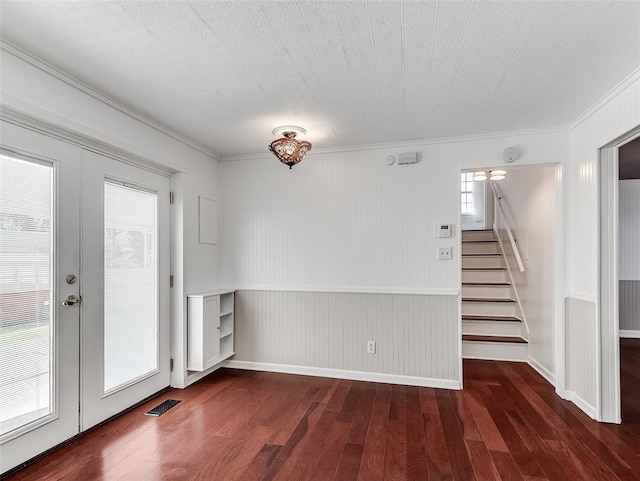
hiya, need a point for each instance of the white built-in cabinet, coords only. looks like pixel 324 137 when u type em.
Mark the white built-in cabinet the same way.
pixel 209 329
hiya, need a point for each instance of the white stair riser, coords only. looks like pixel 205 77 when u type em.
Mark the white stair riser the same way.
pixel 478 235
pixel 484 276
pixel 480 248
pixel 489 308
pixel 490 261
pixel 500 351
pixel 492 328
pixel 487 291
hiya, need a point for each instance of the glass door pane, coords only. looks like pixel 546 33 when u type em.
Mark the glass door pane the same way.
pixel 26 270
pixel 130 285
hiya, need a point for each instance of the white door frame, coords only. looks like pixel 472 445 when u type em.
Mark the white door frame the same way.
pixel 608 406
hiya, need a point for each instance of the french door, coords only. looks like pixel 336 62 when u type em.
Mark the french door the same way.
pixel 39 337
pixel 125 291
pixel 84 301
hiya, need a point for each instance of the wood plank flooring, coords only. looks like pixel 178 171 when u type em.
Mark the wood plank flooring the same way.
pixel 507 424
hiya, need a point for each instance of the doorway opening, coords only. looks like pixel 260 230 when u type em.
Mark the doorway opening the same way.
pixel 511 267
pixel 615 219
pixel 629 278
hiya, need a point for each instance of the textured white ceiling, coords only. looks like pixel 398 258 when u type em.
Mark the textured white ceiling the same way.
pixel 224 74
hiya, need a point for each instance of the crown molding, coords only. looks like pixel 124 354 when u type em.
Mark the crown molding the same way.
pixel 90 91
pixel 409 144
pixel 634 76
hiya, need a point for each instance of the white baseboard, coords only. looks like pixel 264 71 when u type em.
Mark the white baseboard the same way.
pixel 344 374
pixel 588 409
pixel 543 371
pixel 628 334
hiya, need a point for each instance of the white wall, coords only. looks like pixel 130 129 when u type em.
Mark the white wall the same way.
pixel 629 255
pixel 344 222
pixel 530 198
pixel 616 114
pixel 38 93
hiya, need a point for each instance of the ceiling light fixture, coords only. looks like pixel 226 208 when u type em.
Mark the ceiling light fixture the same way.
pixel 497 174
pixel 479 176
pixel 289 150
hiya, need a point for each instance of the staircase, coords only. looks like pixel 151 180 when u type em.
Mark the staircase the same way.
pixel 491 326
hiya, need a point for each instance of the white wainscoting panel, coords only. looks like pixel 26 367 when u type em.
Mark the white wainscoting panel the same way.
pixel 416 336
pixel 581 364
pixel 629 305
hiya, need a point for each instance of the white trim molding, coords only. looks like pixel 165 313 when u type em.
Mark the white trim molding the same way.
pixel 399 291
pixel 543 371
pixel 635 75
pixel 628 334
pixel 90 91
pixel 345 374
pixel 409 144
pixel 84 142
pixel 588 409
pixel 581 296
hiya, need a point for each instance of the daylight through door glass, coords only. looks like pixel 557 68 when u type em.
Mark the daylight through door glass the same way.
pixel 26 271
pixel 130 284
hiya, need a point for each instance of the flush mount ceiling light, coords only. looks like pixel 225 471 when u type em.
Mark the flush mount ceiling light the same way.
pixel 479 176
pixel 286 147
pixel 497 174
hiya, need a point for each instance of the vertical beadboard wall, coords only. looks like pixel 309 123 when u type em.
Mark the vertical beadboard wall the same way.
pixel 616 114
pixel 630 308
pixel 343 246
pixel 415 335
pixel 629 255
pixel 347 221
pixel 581 338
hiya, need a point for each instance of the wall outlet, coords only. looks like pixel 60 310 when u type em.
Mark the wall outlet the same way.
pixel 445 253
pixel 371 347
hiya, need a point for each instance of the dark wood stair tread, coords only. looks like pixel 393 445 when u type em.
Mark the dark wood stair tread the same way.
pixel 486 284
pixel 484 268
pixel 477 338
pixel 473 241
pixel 487 299
pixel 477 230
pixel 476 317
pixel 481 255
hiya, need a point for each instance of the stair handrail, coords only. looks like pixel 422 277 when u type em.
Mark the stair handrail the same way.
pixel 499 198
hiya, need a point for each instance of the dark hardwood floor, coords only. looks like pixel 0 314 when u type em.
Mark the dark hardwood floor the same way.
pixel 507 424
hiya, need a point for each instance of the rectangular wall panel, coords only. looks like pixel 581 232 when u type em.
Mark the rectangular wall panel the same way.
pixel 415 335
pixel 581 339
pixel 629 230
pixel 629 305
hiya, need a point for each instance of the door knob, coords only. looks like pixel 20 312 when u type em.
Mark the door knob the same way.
pixel 71 300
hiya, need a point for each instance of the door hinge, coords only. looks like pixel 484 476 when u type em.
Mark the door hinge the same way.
pixel 171 280
pixel 171 365
pixel 171 197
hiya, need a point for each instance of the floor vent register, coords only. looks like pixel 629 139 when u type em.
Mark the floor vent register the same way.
pixel 160 409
